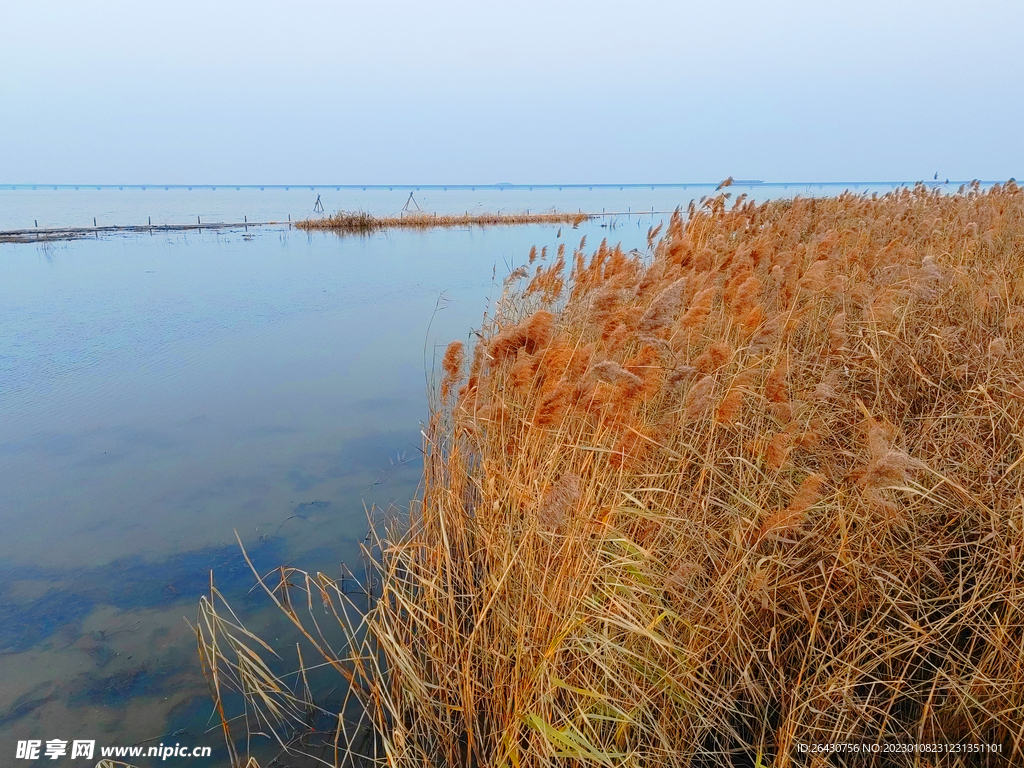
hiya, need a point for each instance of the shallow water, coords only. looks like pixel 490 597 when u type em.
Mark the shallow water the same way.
pixel 160 392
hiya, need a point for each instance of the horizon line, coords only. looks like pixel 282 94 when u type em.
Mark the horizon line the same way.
pixel 500 185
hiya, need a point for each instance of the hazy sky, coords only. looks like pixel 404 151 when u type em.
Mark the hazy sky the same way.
pixel 411 91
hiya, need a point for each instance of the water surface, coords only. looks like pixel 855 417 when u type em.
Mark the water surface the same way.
pixel 158 393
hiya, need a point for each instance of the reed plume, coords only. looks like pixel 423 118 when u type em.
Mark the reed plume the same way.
pixel 559 500
pixel 698 311
pixel 454 357
pixel 663 309
pixel 699 398
pixel 793 515
pixel 532 334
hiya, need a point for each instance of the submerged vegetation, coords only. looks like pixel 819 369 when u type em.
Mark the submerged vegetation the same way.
pixel 360 222
pixel 760 488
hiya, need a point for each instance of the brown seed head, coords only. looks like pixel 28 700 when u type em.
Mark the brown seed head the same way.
pixel 559 501
pixel 699 398
pixel 454 357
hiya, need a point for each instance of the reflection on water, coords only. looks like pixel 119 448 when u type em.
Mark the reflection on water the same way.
pixel 37 602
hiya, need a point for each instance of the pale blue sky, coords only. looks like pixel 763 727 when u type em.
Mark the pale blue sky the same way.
pixel 479 92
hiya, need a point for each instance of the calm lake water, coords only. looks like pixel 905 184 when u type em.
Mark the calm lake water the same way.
pixel 159 392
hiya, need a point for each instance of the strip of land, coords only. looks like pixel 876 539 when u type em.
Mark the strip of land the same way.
pixel 362 222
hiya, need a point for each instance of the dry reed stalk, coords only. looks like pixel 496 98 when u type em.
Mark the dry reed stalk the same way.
pixel 597 573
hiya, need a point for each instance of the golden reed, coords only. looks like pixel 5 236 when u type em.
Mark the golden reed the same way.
pixel 761 490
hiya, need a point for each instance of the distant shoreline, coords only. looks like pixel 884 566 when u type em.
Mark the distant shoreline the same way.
pixel 21 186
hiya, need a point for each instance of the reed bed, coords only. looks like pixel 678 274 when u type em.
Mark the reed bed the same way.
pixel 360 222
pixel 759 488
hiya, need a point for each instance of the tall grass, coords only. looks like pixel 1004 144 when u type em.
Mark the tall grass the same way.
pixel 760 489
pixel 360 222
